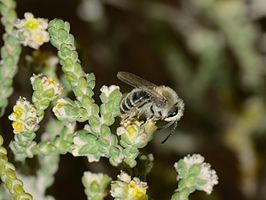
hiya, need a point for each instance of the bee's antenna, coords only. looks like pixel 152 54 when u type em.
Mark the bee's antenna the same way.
pixel 171 132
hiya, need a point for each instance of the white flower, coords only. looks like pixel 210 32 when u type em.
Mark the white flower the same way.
pixel 120 130
pixel 194 159
pixel 24 116
pixel 100 179
pixel 137 133
pixel 78 142
pixel 89 178
pixel 207 175
pixel 210 176
pixel 127 188
pixel 47 83
pixel 108 90
pixel 124 177
pixel 59 108
pixel 32 31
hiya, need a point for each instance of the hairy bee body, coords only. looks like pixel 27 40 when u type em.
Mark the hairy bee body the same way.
pixel 134 101
pixel 139 103
pixel 150 101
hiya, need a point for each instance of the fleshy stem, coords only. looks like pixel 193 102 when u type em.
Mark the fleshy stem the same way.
pixel 45 91
pixel 9 178
pixel 98 141
pixel 48 159
pixel 61 144
pixel 82 84
pixel 22 145
pixel 10 52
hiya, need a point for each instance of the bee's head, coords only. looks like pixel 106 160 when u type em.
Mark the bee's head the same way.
pixel 173 115
pixel 176 112
pixel 173 107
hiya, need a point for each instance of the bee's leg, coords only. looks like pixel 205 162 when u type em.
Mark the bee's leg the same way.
pixel 124 119
pixel 139 113
pixel 127 117
pixel 150 119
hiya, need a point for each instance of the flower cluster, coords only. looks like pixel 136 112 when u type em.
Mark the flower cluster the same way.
pixel 32 31
pixel 136 133
pixel 24 117
pixel 85 144
pixel 45 91
pixel 127 188
pixel 194 174
pixel 47 84
pixel 96 140
pixel 65 109
pixel 206 174
pixel 95 185
pixel 110 98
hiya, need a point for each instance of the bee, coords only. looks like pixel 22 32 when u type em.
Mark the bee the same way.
pixel 150 101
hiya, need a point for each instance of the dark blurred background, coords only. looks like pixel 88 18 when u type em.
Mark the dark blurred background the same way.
pixel 212 52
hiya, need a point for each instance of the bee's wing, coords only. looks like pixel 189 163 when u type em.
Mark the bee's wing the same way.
pixel 136 81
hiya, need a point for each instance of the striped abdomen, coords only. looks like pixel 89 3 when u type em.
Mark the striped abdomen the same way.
pixel 135 99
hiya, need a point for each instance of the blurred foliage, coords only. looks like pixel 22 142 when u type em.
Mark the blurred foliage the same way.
pixel 212 52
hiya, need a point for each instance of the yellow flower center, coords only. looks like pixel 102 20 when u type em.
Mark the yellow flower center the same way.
pixel 51 82
pixel 139 192
pixel 132 184
pixel 32 111
pixel 18 127
pixel 31 24
pixel 39 39
pixel 48 83
pixel 131 129
pixel 18 111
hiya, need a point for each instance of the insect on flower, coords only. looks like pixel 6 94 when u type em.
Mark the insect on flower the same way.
pixel 150 101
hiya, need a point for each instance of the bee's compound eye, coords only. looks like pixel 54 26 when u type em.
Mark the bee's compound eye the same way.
pixel 172 113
